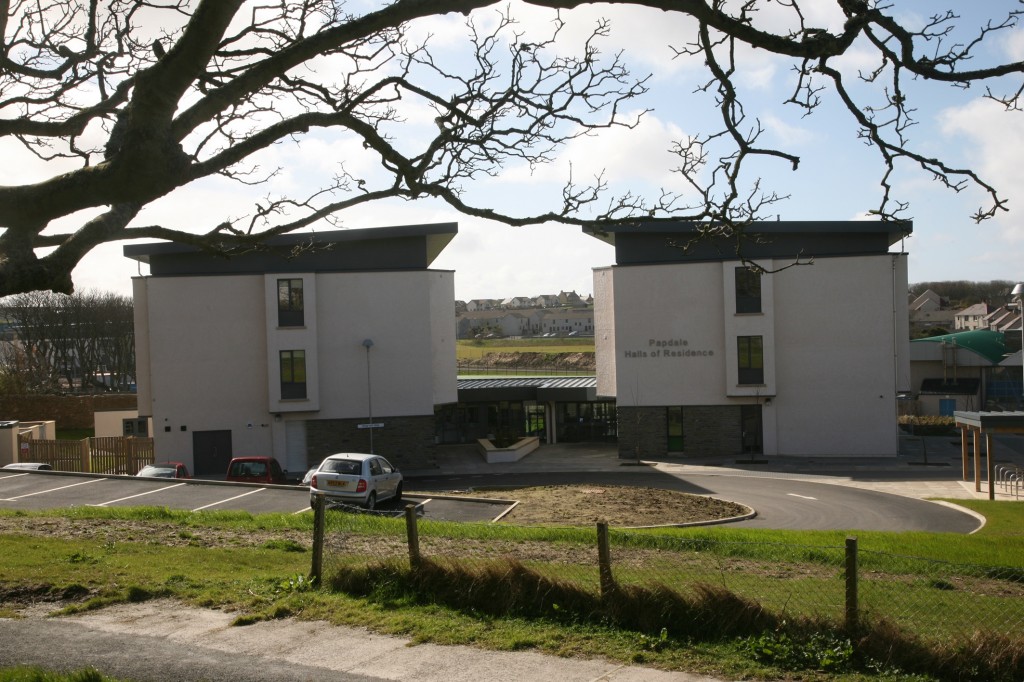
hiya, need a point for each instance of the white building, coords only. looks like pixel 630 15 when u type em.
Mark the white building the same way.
pixel 317 343
pixel 706 356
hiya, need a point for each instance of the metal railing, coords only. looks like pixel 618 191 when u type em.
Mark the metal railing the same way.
pixel 1009 478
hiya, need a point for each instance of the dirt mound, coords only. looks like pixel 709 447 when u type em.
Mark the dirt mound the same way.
pixel 576 361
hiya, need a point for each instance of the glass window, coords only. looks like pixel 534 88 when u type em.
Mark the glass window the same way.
pixel 290 305
pixel 750 351
pixel 748 290
pixel 676 441
pixel 293 374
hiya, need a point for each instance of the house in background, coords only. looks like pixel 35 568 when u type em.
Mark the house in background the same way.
pixel 317 343
pixel 972 317
pixel 707 356
pixel 929 311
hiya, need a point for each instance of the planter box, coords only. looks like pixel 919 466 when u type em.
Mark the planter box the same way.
pixel 521 448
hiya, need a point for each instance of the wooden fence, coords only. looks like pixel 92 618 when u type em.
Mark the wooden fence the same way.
pixel 90 455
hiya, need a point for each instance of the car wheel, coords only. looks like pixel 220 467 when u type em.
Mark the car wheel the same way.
pixel 371 502
pixel 312 502
pixel 398 493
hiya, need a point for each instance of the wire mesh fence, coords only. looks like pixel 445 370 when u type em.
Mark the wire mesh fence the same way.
pixel 938 600
pixel 652 581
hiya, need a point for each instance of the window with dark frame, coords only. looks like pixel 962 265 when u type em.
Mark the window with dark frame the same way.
pixel 290 305
pixel 676 434
pixel 750 355
pixel 748 290
pixel 293 374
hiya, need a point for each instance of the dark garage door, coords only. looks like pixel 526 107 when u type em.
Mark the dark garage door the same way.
pixel 211 452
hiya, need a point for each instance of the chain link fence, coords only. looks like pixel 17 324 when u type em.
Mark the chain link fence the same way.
pixel 655 581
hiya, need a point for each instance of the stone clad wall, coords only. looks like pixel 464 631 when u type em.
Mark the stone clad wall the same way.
pixel 708 431
pixel 406 442
pixel 644 428
pixel 70 412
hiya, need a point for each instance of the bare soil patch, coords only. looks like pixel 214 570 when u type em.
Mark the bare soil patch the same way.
pixel 575 505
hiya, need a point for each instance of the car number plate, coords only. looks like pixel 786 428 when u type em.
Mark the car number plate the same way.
pixel 338 484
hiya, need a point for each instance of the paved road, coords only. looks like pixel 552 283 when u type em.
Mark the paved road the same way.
pixel 780 502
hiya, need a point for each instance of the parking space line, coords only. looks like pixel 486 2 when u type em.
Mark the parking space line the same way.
pixel 50 490
pixel 131 497
pixel 3 478
pixel 214 504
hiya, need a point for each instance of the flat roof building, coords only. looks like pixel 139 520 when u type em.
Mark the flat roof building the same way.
pixel 790 340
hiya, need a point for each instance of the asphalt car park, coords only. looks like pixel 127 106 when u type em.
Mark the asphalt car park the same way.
pixel 35 490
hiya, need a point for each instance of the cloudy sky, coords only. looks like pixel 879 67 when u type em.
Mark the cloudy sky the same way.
pixel 837 179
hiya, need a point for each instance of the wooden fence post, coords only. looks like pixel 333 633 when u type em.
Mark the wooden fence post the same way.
pixel 413 534
pixel 316 570
pixel 86 457
pixel 852 616
pixel 604 560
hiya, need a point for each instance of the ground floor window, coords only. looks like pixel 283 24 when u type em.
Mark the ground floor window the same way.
pixel 676 442
pixel 752 434
pixel 586 422
pixel 574 422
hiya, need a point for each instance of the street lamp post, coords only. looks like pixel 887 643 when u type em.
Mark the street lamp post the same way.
pixel 368 344
pixel 1018 291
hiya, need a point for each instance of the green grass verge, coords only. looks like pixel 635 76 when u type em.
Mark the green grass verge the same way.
pixel 466 349
pixel 33 674
pixel 267 582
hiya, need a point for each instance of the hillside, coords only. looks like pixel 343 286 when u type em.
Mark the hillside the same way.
pixel 571 361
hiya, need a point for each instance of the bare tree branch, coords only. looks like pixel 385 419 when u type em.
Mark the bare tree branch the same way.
pixel 141 112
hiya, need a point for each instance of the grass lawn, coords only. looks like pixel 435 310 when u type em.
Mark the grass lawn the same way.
pixel 217 563
pixel 472 349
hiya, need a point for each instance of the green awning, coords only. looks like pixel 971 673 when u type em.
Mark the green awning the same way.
pixel 984 342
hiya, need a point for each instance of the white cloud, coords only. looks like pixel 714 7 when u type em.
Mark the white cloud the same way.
pixel 993 139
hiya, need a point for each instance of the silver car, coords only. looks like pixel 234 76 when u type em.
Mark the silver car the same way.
pixel 356 478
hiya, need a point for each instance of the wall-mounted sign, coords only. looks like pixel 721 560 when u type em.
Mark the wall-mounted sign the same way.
pixel 667 348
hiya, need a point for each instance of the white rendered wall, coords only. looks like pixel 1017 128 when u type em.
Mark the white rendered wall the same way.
pixel 659 305
pixel 604 332
pixel 213 353
pixel 839 355
pixel 207 355
pixel 834 347
pixel 443 360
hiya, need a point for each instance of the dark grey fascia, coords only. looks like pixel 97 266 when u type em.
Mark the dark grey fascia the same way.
pixel 407 247
pixel 650 243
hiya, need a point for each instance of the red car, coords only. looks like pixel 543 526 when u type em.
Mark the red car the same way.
pixel 255 470
pixel 165 470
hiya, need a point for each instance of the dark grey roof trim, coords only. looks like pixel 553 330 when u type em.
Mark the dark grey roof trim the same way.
pixel 407 247
pixel 651 243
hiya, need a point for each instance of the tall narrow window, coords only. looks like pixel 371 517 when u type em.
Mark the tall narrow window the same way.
pixel 676 440
pixel 748 290
pixel 750 352
pixel 293 374
pixel 290 306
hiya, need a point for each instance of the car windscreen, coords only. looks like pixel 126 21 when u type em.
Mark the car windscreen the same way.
pixel 248 469
pixel 347 467
pixel 160 472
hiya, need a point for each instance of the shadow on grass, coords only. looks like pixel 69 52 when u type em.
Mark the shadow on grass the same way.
pixel 508 588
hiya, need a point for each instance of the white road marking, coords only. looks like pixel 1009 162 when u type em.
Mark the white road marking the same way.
pixel 805 497
pixel 50 490
pixel 131 497
pixel 214 504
